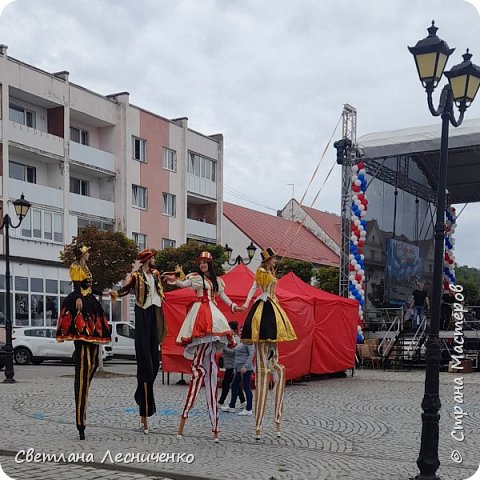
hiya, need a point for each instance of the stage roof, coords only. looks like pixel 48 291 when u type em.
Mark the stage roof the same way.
pixel 422 145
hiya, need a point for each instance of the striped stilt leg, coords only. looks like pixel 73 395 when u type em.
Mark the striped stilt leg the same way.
pixel 198 374
pixel 211 371
pixel 261 389
pixel 86 363
pixel 278 373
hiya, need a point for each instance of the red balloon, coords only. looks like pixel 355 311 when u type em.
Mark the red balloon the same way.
pixel 360 165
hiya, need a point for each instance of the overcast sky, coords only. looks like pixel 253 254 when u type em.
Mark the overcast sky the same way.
pixel 271 75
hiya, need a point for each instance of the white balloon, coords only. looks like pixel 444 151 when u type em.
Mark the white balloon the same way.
pixel 361 208
pixel 354 168
pixel 362 171
pixel 358 183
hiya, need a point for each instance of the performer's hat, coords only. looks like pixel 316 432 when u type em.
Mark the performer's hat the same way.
pixel 146 254
pixel 84 249
pixel 267 254
pixel 80 249
pixel 205 256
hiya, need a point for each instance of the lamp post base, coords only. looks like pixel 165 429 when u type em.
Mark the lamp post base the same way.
pixel 426 477
pixel 9 380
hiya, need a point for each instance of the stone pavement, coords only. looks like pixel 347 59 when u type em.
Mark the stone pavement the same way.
pixel 365 426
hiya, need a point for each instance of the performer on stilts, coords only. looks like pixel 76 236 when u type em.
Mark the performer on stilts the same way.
pixel 204 331
pixel 266 325
pixel 82 320
pixel 150 329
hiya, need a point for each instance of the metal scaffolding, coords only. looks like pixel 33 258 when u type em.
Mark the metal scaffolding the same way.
pixel 346 156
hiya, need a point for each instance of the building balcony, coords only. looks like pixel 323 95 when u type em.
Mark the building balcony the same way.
pixel 201 186
pixel 38 194
pixel 92 157
pixel 35 139
pixel 92 206
pixel 201 230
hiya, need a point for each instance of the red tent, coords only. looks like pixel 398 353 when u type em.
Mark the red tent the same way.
pixel 336 320
pixel 300 309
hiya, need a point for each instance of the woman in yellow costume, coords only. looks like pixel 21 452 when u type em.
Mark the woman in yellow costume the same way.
pixel 267 324
pixel 82 320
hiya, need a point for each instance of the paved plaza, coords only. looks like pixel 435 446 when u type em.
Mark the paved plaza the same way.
pixel 363 427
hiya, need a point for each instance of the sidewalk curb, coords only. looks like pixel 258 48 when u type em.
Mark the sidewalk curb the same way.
pixel 124 468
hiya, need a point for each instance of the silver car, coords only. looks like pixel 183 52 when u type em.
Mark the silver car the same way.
pixel 36 344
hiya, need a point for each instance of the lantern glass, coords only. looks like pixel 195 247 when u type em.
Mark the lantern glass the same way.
pixel 464 88
pixel 228 251
pixel 21 207
pixel 431 66
pixel 251 249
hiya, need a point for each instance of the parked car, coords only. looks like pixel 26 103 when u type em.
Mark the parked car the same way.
pixel 36 344
pixel 123 339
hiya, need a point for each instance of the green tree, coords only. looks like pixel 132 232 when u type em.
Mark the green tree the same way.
pixel 327 279
pixel 112 255
pixel 302 269
pixel 186 255
pixel 469 279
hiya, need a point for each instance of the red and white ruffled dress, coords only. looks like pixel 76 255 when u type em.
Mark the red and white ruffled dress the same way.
pixel 204 322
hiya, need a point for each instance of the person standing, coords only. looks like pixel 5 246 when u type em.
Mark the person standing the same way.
pixel 243 371
pixel 420 301
pixel 204 331
pixel 150 329
pixel 446 308
pixel 265 326
pixel 229 366
pixel 83 321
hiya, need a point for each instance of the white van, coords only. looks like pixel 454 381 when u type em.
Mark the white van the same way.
pixel 123 339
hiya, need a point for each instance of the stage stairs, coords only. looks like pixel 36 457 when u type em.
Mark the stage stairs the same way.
pixel 401 349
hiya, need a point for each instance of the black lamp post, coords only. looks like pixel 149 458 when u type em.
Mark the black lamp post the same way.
pixel 251 249
pixel 21 209
pixel 431 55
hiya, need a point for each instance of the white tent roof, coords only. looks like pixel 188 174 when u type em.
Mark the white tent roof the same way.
pixel 422 145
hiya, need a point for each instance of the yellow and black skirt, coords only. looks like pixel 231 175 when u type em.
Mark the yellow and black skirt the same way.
pixel 267 322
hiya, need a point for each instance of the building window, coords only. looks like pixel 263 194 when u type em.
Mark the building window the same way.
pixel 201 166
pixel 169 204
pixel 167 243
pixel 169 159
pixel 24 173
pixel 139 149
pixel 22 115
pixel 79 135
pixel 82 223
pixel 139 196
pixel 80 187
pixel 140 239
pixel 43 225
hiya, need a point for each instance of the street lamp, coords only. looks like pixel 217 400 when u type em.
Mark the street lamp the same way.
pixel 251 249
pixel 21 209
pixel 431 55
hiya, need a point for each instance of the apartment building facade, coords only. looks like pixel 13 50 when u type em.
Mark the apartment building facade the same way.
pixel 80 159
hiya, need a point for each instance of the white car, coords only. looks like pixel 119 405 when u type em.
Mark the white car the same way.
pixel 36 344
pixel 123 339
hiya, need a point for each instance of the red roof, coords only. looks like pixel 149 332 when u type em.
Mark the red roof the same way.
pixel 287 238
pixel 328 222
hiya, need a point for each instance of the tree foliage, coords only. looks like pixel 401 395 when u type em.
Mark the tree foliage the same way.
pixel 469 279
pixel 302 269
pixel 186 255
pixel 327 278
pixel 112 255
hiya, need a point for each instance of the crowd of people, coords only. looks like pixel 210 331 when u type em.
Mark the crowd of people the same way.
pixel 204 332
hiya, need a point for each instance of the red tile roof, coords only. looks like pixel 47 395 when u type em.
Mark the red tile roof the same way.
pixel 329 222
pixel 287 238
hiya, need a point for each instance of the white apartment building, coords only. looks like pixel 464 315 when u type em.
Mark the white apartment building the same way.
pixel 81 158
